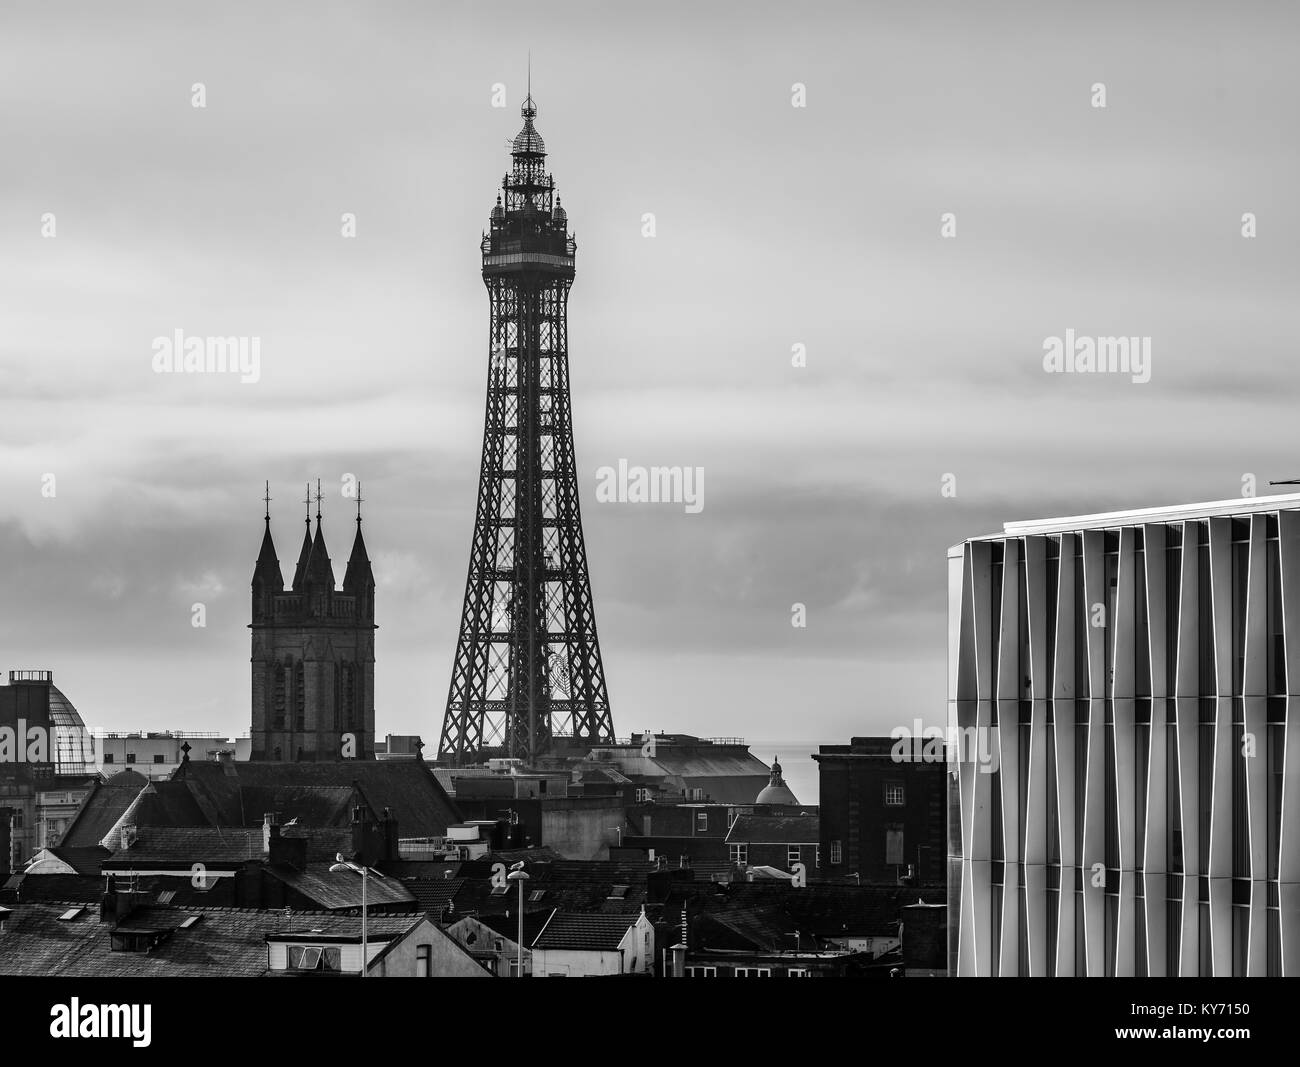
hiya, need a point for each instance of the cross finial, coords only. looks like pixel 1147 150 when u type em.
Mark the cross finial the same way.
pixel 307 501
pixel 318 500
pixel 358 503
pixel 267 498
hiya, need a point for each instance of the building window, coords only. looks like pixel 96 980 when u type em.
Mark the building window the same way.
pixel 836 858
pixel 108 757
pixel 817 861
pixel 753 972
pixel 739 854
pixel 792 855
pixel 700 972
pixel 894 845
pixel 160 758
pixel 312 958
pixel 797 972
pixel 424 961
pixel 130 757
pixel 701 822
pixel 894 795
pixel 641 796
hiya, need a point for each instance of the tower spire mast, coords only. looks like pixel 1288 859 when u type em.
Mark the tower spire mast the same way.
pixel 527 678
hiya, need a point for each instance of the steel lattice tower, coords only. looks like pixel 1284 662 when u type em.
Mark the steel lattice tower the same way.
pixel 527 677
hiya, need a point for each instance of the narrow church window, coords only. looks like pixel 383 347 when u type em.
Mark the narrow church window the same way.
pixel 299 697
pixel 278 699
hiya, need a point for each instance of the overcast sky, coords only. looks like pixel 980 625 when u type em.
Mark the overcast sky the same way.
pixel 775 226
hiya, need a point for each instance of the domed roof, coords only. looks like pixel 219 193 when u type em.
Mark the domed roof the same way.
pixel 528 140
pixel 74 747
pixel 776 791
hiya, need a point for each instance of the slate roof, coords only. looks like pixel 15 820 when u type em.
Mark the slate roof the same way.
pixel 775 829
pixel 102 807
pixel 225 942
pixel 211 845
pixel 324 843
pixel 310 791
pixel 433 894
pixel 590 933
pixel 819 910
pixel 83 860
pixel 335 891
pixel 508 925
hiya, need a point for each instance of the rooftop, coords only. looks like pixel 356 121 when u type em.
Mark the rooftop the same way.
pixel 1237 506
pixel 592 933
pixel 221 942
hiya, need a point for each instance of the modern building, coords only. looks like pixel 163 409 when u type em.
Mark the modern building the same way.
pixel 157 754
pixel 882 809
pixel 313 652
pixel 1123 692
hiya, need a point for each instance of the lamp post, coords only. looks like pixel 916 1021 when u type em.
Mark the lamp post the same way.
pixel 344 865
pixel 519 876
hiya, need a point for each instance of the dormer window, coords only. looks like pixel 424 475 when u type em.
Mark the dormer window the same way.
pixel 313 958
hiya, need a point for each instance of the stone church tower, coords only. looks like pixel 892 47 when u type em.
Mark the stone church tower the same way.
pixel 313 653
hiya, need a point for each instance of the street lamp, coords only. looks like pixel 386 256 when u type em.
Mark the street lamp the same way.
pixel 520 876
pixel 345 865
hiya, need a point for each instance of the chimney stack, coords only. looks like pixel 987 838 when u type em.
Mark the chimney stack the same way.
pixel 270 830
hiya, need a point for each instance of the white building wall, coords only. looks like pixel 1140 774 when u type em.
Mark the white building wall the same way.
pixel 1107 781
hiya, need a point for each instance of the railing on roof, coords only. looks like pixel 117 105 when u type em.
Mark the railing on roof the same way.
pixel 31 676
pixel 162 735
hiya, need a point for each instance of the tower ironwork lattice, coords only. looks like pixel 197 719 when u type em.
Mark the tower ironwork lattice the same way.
pixel 527 679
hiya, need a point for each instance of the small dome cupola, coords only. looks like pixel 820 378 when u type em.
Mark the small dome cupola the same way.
pixel 498 212
pixel 776 791
pixel 559 214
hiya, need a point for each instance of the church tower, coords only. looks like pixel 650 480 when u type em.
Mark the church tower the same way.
pixel 313 651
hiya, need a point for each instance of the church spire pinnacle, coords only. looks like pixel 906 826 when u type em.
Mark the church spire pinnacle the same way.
pixel 267 579
pixel 304 553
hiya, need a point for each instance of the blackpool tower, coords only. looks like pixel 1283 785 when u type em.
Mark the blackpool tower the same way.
pixel 527 680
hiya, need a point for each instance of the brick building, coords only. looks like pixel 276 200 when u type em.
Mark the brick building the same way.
pixel 883 809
